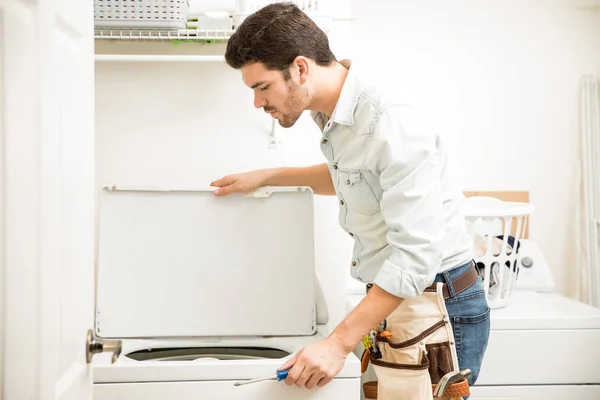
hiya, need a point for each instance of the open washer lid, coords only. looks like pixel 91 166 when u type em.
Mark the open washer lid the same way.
pixel 185 263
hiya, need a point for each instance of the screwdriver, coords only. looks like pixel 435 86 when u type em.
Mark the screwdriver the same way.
pixel 281 375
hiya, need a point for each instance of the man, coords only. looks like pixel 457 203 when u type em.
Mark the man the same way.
pixel 397 199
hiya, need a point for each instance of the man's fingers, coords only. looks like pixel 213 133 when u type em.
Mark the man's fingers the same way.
pixel 307 370
pixel 324 381
pixel 289 363
pixel 306 374
pixel 294 373
pixel 314 379
pixel 225 181
pixel 222 182
pixel 293 368
pixel 220 192
pixel 225 190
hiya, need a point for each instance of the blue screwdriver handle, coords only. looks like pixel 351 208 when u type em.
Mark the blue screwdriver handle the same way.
pixel 281 375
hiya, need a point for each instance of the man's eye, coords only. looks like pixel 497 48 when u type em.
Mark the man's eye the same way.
pixel 265 87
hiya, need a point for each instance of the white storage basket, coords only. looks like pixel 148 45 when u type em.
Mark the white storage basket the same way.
pixel 497 228
pixel 140 14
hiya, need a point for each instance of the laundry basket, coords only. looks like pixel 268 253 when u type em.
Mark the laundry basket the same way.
pixel 140 14
pixel 497 228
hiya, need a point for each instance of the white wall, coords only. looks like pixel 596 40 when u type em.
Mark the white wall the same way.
pixel 501 77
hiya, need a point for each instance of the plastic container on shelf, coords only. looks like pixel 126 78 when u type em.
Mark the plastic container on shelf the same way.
pixel 140 14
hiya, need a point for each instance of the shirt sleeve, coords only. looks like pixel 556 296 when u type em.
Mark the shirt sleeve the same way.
pixel 404 155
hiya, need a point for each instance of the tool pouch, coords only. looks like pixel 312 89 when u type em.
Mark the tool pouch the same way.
pixel 412 369
pixel 440 360
pixel 416 356
pixel 402 373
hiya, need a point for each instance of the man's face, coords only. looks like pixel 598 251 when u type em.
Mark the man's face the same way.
pixel 283 99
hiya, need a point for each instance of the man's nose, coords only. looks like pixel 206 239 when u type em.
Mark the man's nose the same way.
pixel 259 101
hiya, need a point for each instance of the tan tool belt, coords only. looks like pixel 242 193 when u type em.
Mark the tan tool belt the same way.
pixel 413 350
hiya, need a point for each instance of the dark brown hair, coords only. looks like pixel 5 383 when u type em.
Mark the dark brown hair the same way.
pixel 275 35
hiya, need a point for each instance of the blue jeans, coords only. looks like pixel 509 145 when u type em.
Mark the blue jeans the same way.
pixel 470 319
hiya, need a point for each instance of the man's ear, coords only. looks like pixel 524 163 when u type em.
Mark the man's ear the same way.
pixel 301 67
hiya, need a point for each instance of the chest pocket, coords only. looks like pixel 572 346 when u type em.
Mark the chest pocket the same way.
pixel 357 192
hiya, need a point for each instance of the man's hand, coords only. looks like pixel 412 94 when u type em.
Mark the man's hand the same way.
pixel 315 176
pixel 241 183
pixel 316 364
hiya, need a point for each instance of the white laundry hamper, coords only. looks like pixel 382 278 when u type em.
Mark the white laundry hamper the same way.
pixel 497 228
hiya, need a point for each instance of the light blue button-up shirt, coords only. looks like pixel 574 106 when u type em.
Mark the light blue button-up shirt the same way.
pixel 398 198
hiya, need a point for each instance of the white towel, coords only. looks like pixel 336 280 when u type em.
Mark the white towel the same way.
pixel 218 20
pixel 201 7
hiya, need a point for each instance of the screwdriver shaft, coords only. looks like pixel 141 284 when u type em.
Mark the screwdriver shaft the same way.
pixel 268 378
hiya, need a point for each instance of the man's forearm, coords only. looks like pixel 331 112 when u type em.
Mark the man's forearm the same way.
pixel 316 176
pixel 373 309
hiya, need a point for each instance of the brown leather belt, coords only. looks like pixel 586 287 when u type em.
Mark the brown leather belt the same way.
pixel 460 283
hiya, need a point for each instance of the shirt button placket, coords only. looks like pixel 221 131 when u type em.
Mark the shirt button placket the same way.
pixel 326 148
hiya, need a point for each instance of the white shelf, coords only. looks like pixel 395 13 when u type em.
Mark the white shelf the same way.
pixel 163 35
pixel 198 35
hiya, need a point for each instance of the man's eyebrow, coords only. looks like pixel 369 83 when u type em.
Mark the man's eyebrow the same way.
pixel 257 84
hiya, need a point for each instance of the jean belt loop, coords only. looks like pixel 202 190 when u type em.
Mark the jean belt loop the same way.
pixel 448 280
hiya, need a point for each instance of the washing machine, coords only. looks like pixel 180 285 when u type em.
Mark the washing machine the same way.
pixel 542 345
pixel 197 292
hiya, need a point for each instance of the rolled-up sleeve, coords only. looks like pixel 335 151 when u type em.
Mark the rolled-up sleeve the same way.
pixel 404 155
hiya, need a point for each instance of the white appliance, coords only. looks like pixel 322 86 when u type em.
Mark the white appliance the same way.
pixel 541 346
pixel 204 291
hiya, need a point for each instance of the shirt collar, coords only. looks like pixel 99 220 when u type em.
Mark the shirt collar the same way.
pixel 343 112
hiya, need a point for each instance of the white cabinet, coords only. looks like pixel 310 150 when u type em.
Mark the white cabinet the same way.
pixel 225 390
